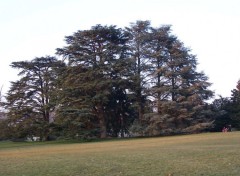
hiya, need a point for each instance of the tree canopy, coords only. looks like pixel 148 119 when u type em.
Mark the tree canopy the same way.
pixel 31 99
pixel 110 81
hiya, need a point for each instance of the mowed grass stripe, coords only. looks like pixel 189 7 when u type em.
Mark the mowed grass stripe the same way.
pixel 202 154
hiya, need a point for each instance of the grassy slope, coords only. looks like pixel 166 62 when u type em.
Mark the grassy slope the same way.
pixel 203 154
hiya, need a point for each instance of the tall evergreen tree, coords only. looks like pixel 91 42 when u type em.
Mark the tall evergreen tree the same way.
pixel 178 89
pixel 138 43
pixel 234 108
pixel 161 38
pixel 98 66
pixel 30 100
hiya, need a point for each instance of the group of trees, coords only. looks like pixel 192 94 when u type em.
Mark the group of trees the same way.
pixel 110 81
pixel 227 110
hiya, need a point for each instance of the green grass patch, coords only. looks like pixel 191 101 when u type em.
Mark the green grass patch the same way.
pixel 201 154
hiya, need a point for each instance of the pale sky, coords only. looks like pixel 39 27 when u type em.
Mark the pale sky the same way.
pixel 211 28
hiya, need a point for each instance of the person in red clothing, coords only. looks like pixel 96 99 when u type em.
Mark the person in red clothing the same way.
pixel 225 129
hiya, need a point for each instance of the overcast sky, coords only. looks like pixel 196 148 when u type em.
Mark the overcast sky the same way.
pixel 211 28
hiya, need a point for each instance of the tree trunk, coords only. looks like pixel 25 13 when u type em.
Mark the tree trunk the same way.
pixel 158 86
pixel 158 103
pixel 122 126
pixel 173 89
pixel 140 110
pixel 102 122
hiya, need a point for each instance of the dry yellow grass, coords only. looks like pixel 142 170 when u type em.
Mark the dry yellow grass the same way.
pixel 202 154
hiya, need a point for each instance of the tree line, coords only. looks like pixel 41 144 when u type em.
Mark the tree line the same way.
pixel 109 82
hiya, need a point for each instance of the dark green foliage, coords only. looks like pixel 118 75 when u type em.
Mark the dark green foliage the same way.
pixel 138 44
pixel 31 100
pixel 227 110
pixel 5 131
pixel 120 113
pixel 235 106
pixel 176 89
pixel 97 69
pixel 220 108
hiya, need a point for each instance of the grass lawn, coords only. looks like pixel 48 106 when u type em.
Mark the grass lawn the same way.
pixel 202 154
